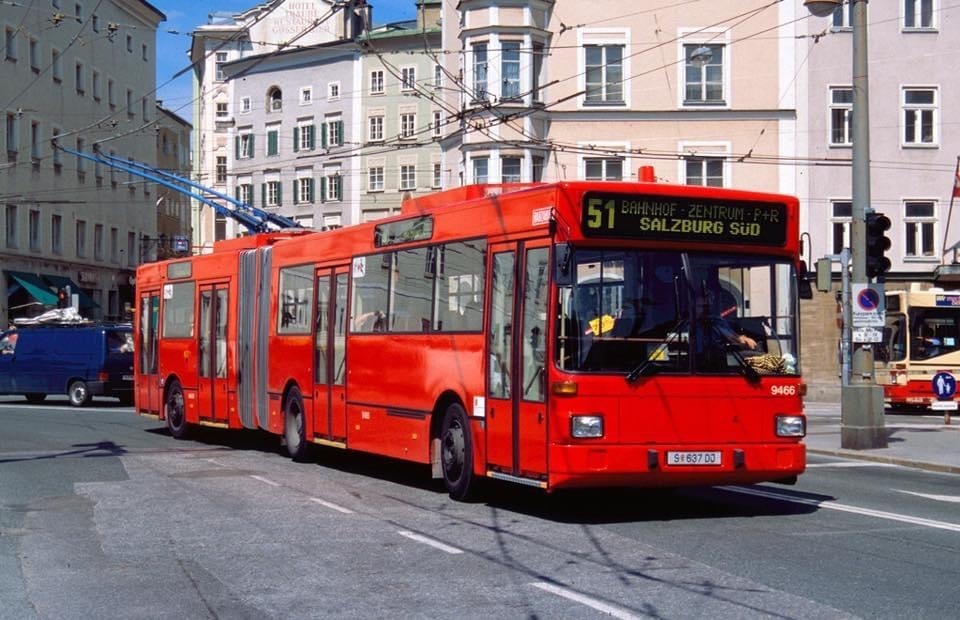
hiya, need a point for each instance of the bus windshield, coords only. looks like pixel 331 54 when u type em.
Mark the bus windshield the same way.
pixel 646 312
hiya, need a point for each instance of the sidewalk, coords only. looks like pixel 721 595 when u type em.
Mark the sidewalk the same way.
pixel 920 440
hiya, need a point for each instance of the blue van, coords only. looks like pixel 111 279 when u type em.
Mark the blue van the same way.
pixel 81 361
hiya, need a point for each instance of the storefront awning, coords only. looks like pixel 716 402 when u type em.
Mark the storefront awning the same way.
pixel 35 287
pixel 59 282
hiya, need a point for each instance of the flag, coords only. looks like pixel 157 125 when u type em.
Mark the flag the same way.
pixel 956 182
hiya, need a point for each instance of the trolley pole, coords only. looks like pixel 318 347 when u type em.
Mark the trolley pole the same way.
pixel 861 406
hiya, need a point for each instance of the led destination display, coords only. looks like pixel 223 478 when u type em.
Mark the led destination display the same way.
pixel 675 218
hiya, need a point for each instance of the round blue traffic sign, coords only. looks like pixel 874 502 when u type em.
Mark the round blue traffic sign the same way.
pixel 868 299
pixel 944 385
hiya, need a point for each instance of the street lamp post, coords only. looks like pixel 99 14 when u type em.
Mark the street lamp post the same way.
pixel 861 404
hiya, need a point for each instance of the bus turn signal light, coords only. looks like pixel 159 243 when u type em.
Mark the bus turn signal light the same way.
pixel 565 388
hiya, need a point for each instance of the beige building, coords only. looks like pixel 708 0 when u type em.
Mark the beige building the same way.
pixel 173 207
pixel 83 74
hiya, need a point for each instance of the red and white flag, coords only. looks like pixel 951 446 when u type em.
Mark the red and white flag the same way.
pixel 956 182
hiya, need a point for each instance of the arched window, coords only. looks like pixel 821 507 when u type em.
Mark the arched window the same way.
pixel 274 99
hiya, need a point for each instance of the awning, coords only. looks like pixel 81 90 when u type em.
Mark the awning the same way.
pixel 35 287
pixel 59 282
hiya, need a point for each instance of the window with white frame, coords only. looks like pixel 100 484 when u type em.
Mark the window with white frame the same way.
pixel 245 106
pixel 437 175
pixel 304 138
pixel 81 239
pixel 34 230
pixel 604 73
pixel 334 131
pixel 375 179
pixel 408 78
pixel 919 224
pixel 841 16
pixel 222 110
pixel 603 168
pixel 437 76
pixel 98 241
pixel 703 74
pixel 245 193
pixel 841 214
pixel 479 71
pixel 510 70
pixel 408 124
pixel 408 177
pixel 918 14
pixel 220 60
pixel 437 123
pixel 56 234
pixel 303 188
pixel 333 185
pixel 700 170
pixel 220 170
pixel 376 82
pixel 919 116
pixel 273 193
pixel 10 43
pixel 306 95
pixel 245 146
pixel 274 100
pixel 333 90
pixel 481 169
pixel 841 116
pixel 510 168
pixel 375 128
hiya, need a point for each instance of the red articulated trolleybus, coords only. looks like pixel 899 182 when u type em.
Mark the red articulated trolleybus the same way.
pixel 576 334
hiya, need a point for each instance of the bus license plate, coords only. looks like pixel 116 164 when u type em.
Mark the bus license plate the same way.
pixel 694 458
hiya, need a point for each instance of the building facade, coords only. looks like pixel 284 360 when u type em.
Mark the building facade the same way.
pixel 173 207
pixel 82 75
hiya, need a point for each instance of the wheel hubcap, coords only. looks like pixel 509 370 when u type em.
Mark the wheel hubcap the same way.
pixel 453 450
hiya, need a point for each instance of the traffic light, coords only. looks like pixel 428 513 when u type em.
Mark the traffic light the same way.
pixel 62 301
pixel 877 244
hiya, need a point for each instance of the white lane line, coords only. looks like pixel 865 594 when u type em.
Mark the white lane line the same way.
pixel 267 481
pixel 880 514
pixel 940 498
pixel 429 541
pixel 331 505
pixel 593 603
pixel 851 464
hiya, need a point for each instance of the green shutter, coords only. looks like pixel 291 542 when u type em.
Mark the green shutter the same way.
pixel 279 194
pixel 313 197
pixel 296 192
pixel 323 189
pixel 340 189
pixel 323 135
pixel 236 147
pixel 340 133
pixel 296 139
pixel 313 142
pixel 253 147
pixel 263 195
pixel 272 143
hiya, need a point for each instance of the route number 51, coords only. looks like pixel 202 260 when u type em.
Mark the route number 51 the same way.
pixel 596 209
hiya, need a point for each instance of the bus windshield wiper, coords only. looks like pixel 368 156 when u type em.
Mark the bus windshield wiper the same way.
pixel 646 366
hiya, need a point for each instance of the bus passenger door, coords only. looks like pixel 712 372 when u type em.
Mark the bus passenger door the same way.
pixel 516 399
pixel 212 335
pixel 329 398
pixel 147 386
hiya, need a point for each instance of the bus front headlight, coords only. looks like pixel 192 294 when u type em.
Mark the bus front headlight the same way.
pixel 586 426
pixel 791 426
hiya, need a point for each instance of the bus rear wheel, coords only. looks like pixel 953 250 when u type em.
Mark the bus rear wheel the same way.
pixel 295 426
pixel 456 452
pixel 175 412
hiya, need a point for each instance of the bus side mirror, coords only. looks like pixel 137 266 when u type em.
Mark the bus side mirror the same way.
pixel 561 257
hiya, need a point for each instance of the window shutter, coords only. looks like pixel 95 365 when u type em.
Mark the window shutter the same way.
pixel 279 194
pixel 252 146
pixel 323 135
pixel 340 189
pixel 340 133
pixel 323 189
pixel 312 129
pixel 312 197
pixel 236 147
pixel 296 139
pixel 263 194
pixel 296 192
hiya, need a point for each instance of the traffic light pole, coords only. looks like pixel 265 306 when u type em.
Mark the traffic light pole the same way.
pixel 861 405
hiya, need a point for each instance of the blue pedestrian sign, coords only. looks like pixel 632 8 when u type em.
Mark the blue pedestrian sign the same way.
pixel 944 385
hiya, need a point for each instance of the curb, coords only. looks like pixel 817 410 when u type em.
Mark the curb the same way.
pixel 891 460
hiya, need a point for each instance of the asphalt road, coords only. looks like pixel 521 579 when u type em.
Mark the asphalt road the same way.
pixel 103 515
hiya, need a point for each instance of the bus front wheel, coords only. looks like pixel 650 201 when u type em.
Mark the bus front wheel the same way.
pixel 295 426
pixel 175 411
pixel 456 452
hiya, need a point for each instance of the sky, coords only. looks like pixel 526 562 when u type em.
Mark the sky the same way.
pixel 183 17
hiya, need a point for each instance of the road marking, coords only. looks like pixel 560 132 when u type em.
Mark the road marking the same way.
pixel 331 505
pixel 262 479
pixel 940 498
pixel 429 541
pixel 850 464
pixel 593 603
pixel 880 514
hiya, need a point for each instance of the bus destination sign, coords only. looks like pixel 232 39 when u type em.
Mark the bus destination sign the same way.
pixel 678 218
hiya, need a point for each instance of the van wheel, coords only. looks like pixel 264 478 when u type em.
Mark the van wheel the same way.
pixel 295 426
pixel 78 393
pixel 456 452
pixel 35 399
pixel 175 412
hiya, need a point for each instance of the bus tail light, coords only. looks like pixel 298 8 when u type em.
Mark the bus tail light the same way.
pixel 791 426
pixel 564 388
pixel 586 426
pixel 803 389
